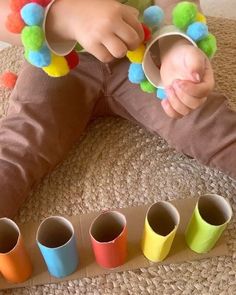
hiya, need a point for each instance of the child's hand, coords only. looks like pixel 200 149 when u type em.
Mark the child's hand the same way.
pixel 105 28
pixel 188 77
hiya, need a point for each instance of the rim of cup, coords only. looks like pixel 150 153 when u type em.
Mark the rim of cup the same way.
pixel 47 227
pixel 163 218
pixel 7 224
pixel 214 209
pixel 108 219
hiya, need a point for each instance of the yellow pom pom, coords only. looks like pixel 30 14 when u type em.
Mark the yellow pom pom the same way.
pixel 201 18
pixel 137 55
pixel 58 67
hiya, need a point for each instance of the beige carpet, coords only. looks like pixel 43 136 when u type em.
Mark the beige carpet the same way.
pixel 117 164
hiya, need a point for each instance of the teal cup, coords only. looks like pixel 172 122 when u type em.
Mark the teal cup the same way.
pixel 57 243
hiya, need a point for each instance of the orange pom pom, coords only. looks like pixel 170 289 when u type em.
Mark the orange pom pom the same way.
pixel 16 5
pixel 8 80
pixel 14 23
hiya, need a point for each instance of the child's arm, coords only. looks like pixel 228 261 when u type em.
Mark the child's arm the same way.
pixel 4 34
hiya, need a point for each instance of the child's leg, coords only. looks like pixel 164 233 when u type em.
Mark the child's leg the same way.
pixel 207 134
pixel 45 117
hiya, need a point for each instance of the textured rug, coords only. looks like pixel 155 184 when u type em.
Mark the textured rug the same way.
pixel 118 164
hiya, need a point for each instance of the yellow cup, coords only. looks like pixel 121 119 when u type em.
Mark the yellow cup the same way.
pixel 161 223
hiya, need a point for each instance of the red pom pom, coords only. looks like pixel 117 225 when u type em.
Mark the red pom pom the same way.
pixel 8 80
pixel 14 23
pixel 147 33
pixel 72 59
pixel 16 5
pixel 41 2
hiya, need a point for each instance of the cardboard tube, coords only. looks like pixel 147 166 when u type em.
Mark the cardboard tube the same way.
pixel 108 234
pixel 210 218
pixel 15 264
pixel 151 71
pixel 161 223
pixel 56 241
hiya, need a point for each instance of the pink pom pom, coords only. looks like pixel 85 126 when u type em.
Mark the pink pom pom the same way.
pixel 72 59
pixel 147 33
pixel 14 23
pixel 8 80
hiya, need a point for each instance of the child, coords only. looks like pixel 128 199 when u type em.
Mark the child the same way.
pixel 47 115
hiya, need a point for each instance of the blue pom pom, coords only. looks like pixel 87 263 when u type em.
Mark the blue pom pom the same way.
pixel 161 93
pixel 136 73
pixel 197 31
pixel 41 58
pixel 32 14
pixel 153 16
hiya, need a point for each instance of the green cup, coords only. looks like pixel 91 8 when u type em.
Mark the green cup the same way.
pixel 210 218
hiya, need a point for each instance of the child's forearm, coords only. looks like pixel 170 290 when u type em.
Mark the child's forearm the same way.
pixel 168 5
pixel 4 34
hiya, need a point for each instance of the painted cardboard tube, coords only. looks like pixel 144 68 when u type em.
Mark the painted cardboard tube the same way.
pixel 57 243
pixel 150 68
pixel 210 218
pixel 161 223
pixel 108 234
pixel 15 263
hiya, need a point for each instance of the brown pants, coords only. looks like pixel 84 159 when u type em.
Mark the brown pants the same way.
pixel 47 115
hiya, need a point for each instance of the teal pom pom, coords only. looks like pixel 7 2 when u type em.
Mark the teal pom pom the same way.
pixel 32 14
pixel 184 14
pixel 161 93
pixel 153 16
pixel 197 31
pixel 208 45
pixel 32 38
pixel 136 73
pixel 41 58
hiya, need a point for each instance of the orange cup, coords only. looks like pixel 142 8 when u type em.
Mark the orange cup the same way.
pixel 15 264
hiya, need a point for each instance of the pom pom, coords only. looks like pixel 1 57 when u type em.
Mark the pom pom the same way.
pixel 184 14
pixel 201 18
pixel 147 33
pixel 32 38
pixel 32 14
pixel 161 93
pixel 15 23
pixel 136 56
pixel 8 80
pixel 78 47
pixel 146 86
pixel 58 67
pixel 41 58
pixel 197 31
pixel 16 5
pixel 208 45
pixel 136 73
pixel 153 16
pixel 72 59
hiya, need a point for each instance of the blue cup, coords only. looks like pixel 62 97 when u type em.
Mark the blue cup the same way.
pixel 56 241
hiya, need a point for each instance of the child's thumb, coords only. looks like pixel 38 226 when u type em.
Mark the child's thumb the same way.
pixel 195 64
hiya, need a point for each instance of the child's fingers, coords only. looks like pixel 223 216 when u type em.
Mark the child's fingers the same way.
pixel 201 89
pixel 169 110
pixel 134 22
pixel 188 100
pixel 100 52
pixel 115 46
pixel 176 103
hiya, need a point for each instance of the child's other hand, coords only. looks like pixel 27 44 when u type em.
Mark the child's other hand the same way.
pixel 105 28
pixel 188 78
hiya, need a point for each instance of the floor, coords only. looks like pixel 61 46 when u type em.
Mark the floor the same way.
pixel 226 8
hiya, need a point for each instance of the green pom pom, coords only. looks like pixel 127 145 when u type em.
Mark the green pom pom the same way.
pixel 208 45
pixel 146 86
pixel 32 37
pixel 78 47
pixel 184 14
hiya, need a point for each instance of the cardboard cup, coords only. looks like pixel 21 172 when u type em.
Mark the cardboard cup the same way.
pixel 56 241
pixel 15 264
pixel 161 223
pixel 151 71
pixel 108 234
pixel 210 218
